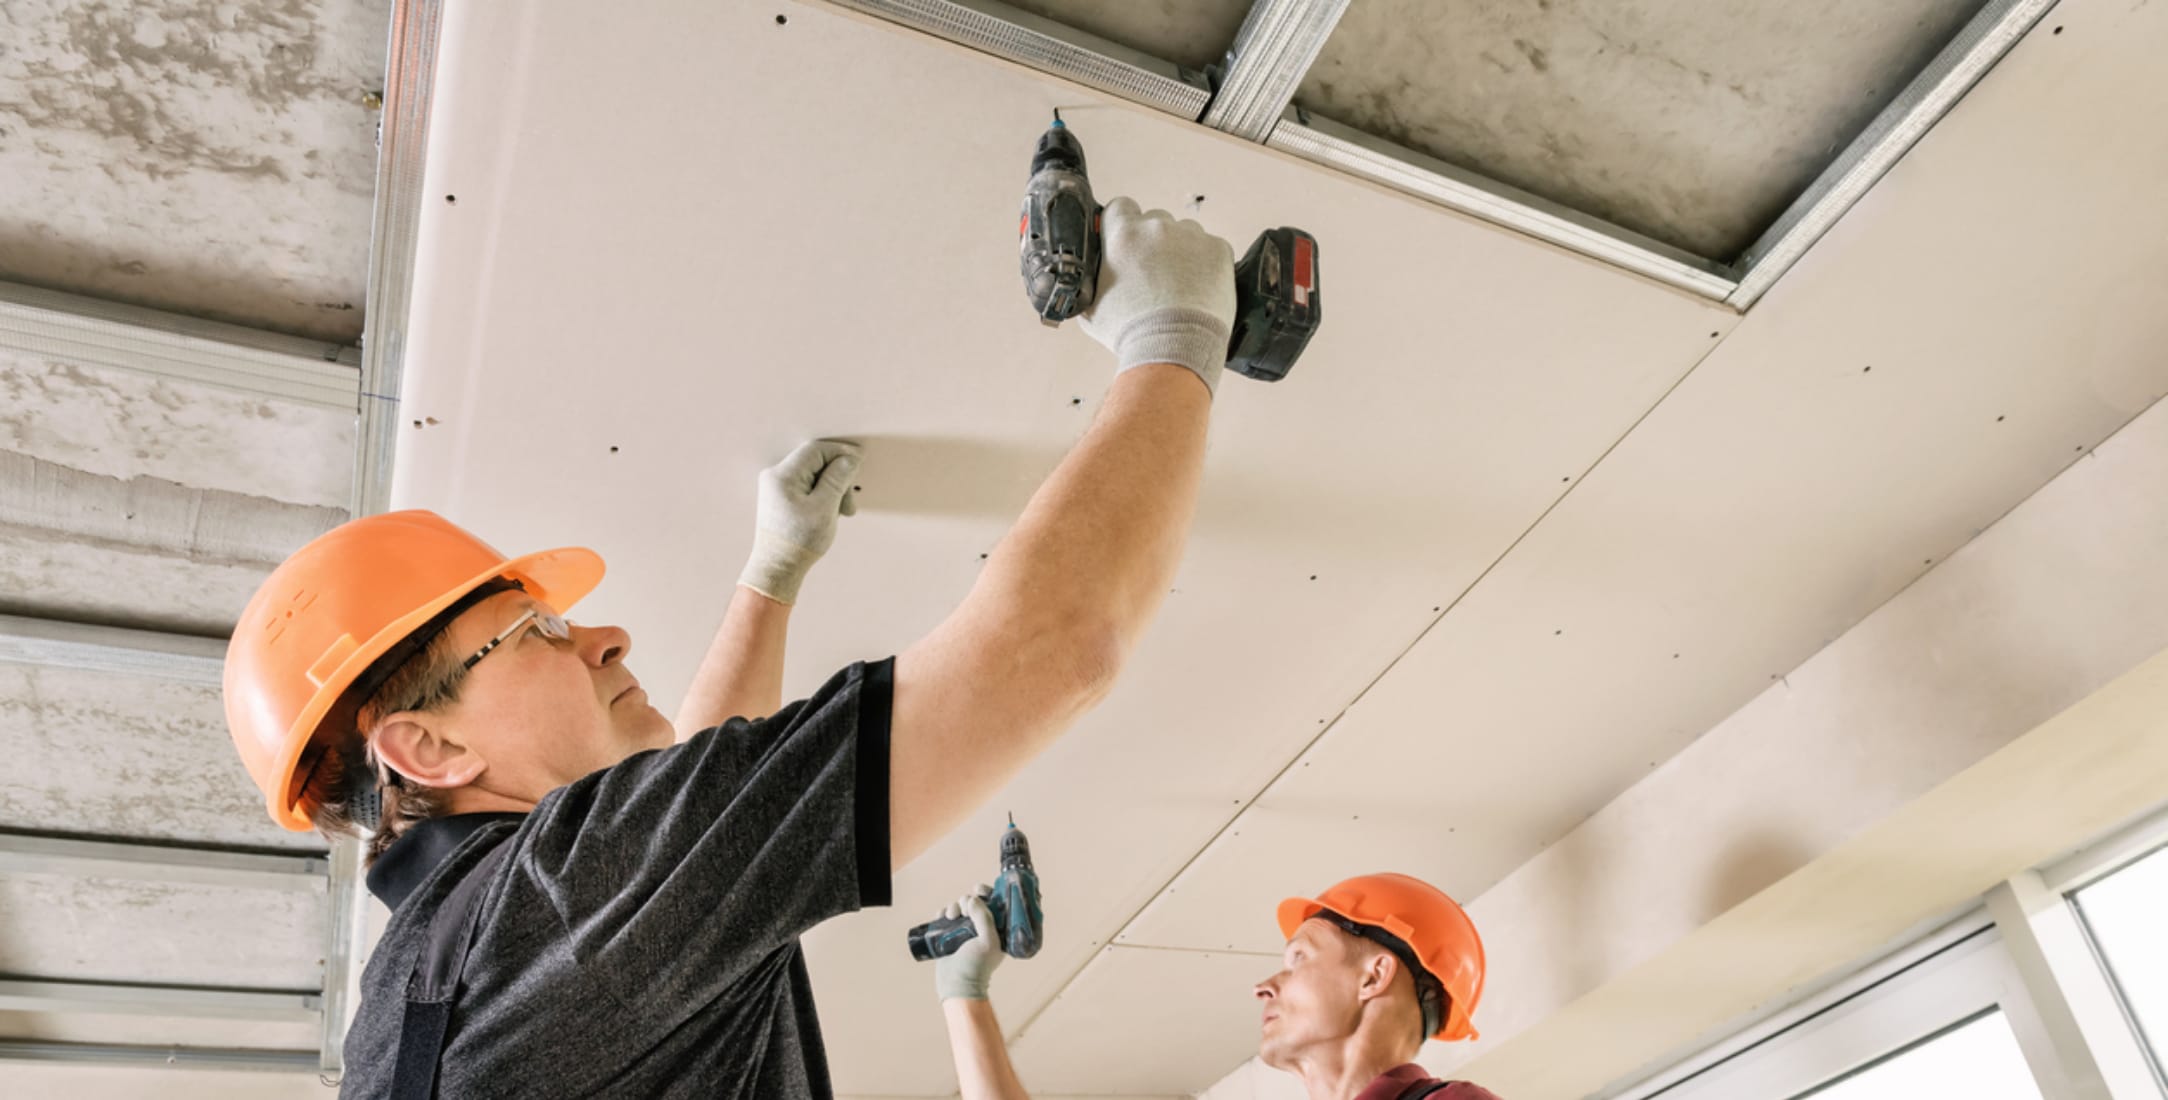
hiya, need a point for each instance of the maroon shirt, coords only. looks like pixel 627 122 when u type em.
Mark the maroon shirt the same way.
pixel 1410 1080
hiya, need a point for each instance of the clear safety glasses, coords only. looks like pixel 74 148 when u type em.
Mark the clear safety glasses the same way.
pixel 547 624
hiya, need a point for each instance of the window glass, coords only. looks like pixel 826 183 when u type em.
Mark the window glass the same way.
pixel 2126 913
pixel 1978 1060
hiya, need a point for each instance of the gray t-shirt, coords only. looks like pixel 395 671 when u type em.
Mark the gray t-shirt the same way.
pixel 641 938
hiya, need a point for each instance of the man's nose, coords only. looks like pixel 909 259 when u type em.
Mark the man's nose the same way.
pixel 601 646
pixel 1269 988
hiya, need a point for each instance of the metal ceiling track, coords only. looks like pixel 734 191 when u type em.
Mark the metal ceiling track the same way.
pixel 76 329
pixel 148 1057
pixel 54 644
pixel 32 854
pixel 1280 39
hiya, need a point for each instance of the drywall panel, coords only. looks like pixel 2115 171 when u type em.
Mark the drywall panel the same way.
pixel 122 930
pixel 1693 124
pixel 1903 387
pixel 1145 1021
pixel 216 160
pixel 636 290
pixel 105 754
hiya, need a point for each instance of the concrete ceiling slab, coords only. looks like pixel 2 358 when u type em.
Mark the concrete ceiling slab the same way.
pixel 1691 124
pixel 1190 33
pixel 121 424
pixel 94 929
pixel 147 502
pixel 1141 1021
pixel 108 755
pixel 1342 508
pixel 216 160
pixel 1906 385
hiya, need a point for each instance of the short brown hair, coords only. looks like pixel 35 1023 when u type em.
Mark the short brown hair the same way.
pixel 422 673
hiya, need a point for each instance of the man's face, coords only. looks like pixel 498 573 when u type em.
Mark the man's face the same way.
pixel 544 712
pixel 1314 999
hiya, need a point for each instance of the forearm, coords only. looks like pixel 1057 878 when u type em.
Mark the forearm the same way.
pixel 983 1071
pixel 1100 540
pixel 742 674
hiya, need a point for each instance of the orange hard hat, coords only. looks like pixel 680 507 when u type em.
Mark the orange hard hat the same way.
pixel 1435 929
pixel 329 611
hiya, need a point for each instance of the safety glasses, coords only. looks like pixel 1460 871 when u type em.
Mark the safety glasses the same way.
pixel 547 624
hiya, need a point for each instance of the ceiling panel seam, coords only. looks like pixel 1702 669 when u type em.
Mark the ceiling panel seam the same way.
pixel 1330 724
pixel 1278 42
pixel 171 346
pixel 1985 40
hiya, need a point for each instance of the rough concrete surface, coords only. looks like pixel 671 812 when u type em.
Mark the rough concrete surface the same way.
pixel 214 159
pixel 1692 123
pixel 111 755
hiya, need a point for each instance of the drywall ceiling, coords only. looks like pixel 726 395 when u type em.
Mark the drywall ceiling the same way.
pixel 212 159
pixel 635 290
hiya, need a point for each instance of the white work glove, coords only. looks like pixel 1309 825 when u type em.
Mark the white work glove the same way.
pixel 800 498
pixel 967 974
pixel 1166 292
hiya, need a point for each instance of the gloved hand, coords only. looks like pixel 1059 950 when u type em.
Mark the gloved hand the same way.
pixel 967 974
pixel 1166 292
pixel 800 498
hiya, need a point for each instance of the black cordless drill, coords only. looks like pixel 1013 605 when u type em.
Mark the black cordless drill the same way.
pixel 1277 300
pixel 1014 904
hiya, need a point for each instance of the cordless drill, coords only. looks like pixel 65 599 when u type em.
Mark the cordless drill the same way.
pixel 1277 300
pixel 1014 904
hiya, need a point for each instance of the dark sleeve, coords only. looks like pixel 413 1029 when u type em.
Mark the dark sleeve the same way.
pixel 679 870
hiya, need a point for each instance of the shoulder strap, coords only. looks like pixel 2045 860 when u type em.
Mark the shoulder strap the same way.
pixel 1424 1088
pixel 436 978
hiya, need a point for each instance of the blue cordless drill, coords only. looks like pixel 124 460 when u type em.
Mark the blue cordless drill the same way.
pixel 1014 904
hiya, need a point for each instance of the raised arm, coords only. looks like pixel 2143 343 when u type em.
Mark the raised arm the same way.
pixel 799 500
pixel 962 981
pixel 1064 598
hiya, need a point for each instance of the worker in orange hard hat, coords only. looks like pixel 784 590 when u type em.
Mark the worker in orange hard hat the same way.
pixel 1372 968
pixel 588 900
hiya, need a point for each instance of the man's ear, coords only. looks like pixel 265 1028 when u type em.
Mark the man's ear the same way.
pixel 417 748
pixel 1379 968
